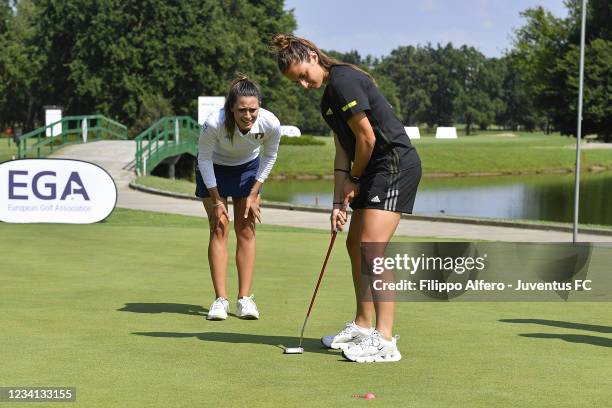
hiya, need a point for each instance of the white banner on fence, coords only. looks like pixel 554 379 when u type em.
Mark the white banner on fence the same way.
pixel 207 104
pixel 53 115
pixel 412 132
pixel 55 191
pixel 446 133
pixel 84 129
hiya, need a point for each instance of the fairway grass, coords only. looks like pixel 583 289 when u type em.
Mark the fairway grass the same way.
pixel 117 309
pixel 486 153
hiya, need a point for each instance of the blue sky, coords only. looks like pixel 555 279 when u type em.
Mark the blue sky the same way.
pixel 377 27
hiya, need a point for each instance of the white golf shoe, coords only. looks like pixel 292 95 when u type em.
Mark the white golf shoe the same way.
pixel 373 349
pixel 350 335
pixel 218 310
pixel 246 308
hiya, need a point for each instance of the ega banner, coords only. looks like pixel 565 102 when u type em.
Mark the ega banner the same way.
pixel 55 191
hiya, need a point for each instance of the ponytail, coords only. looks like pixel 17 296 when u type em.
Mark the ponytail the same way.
pixel 292 50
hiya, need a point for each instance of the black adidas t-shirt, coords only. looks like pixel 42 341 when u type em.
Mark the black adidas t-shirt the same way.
pixel 350 91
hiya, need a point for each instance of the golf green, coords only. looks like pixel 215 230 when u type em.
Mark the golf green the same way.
pixel 117 310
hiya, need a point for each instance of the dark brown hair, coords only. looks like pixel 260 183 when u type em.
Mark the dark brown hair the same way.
pixel 292 50
pixel 240 86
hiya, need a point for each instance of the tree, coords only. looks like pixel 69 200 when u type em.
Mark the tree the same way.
pixel 445 85
pixel 538 46
pixel 547 50
pixel 599 15
pixel 597 114
pixel 408 68
pixel 438 86
pixel 389 90
pixel 517 109
pixel 152 107
pixel 475 83
pixel 5 15
pixel 107 56
pixel 491 82
pixel 20 68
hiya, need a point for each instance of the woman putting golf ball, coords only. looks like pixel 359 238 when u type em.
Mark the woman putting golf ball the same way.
pixel 376 171
pixel 229 165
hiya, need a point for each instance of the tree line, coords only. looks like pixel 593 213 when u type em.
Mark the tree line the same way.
pixel 136 61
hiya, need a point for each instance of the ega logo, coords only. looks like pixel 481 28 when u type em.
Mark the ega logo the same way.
pixel 44 185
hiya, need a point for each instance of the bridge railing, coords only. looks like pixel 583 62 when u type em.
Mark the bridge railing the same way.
pixel 169 136
pixel 68 130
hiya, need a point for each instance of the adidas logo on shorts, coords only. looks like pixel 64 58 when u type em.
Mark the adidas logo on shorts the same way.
pixel 375 199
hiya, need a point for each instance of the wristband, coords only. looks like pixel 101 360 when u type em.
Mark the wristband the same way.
pixel 338 202
pixel 354 179
pixel 342 170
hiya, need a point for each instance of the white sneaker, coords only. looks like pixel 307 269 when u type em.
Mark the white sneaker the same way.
pixel 373 349
pixel 350 335
pixel 218 310
pixel 246 308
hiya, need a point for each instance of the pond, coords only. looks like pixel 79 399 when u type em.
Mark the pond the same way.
pixel 541 197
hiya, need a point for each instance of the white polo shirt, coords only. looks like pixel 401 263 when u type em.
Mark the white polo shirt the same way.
pixel 216 147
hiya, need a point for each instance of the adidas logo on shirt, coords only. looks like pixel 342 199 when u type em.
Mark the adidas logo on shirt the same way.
pixel 375 199
pixel 329 112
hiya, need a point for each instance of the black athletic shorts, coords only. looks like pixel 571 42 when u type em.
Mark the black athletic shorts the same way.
pixel 389 191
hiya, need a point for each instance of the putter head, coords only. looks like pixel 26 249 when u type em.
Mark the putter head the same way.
pixel 293 350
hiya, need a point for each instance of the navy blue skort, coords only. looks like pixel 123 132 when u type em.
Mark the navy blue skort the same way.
pixel 232 181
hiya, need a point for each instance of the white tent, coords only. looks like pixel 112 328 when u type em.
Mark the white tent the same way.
pixel 290 131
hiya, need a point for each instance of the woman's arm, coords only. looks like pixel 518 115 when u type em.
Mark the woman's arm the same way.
pixel 206 145
pixel 364 146
pixel 270 151
pixel 364 142
pixel 342 165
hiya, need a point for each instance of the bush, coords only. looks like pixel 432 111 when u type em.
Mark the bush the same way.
pixel 153 107
pixel 301 141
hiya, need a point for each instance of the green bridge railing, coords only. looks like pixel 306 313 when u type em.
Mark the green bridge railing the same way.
pixel 169 136
pixel 74 130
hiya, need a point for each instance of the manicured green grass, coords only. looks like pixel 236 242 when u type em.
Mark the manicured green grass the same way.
pixel 304 140
pixel 305 160
pixel 495 152
pixel 117 310
pixel 511 153
pixel 164 184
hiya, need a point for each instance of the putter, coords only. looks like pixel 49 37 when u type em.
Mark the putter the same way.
pixel 300 349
